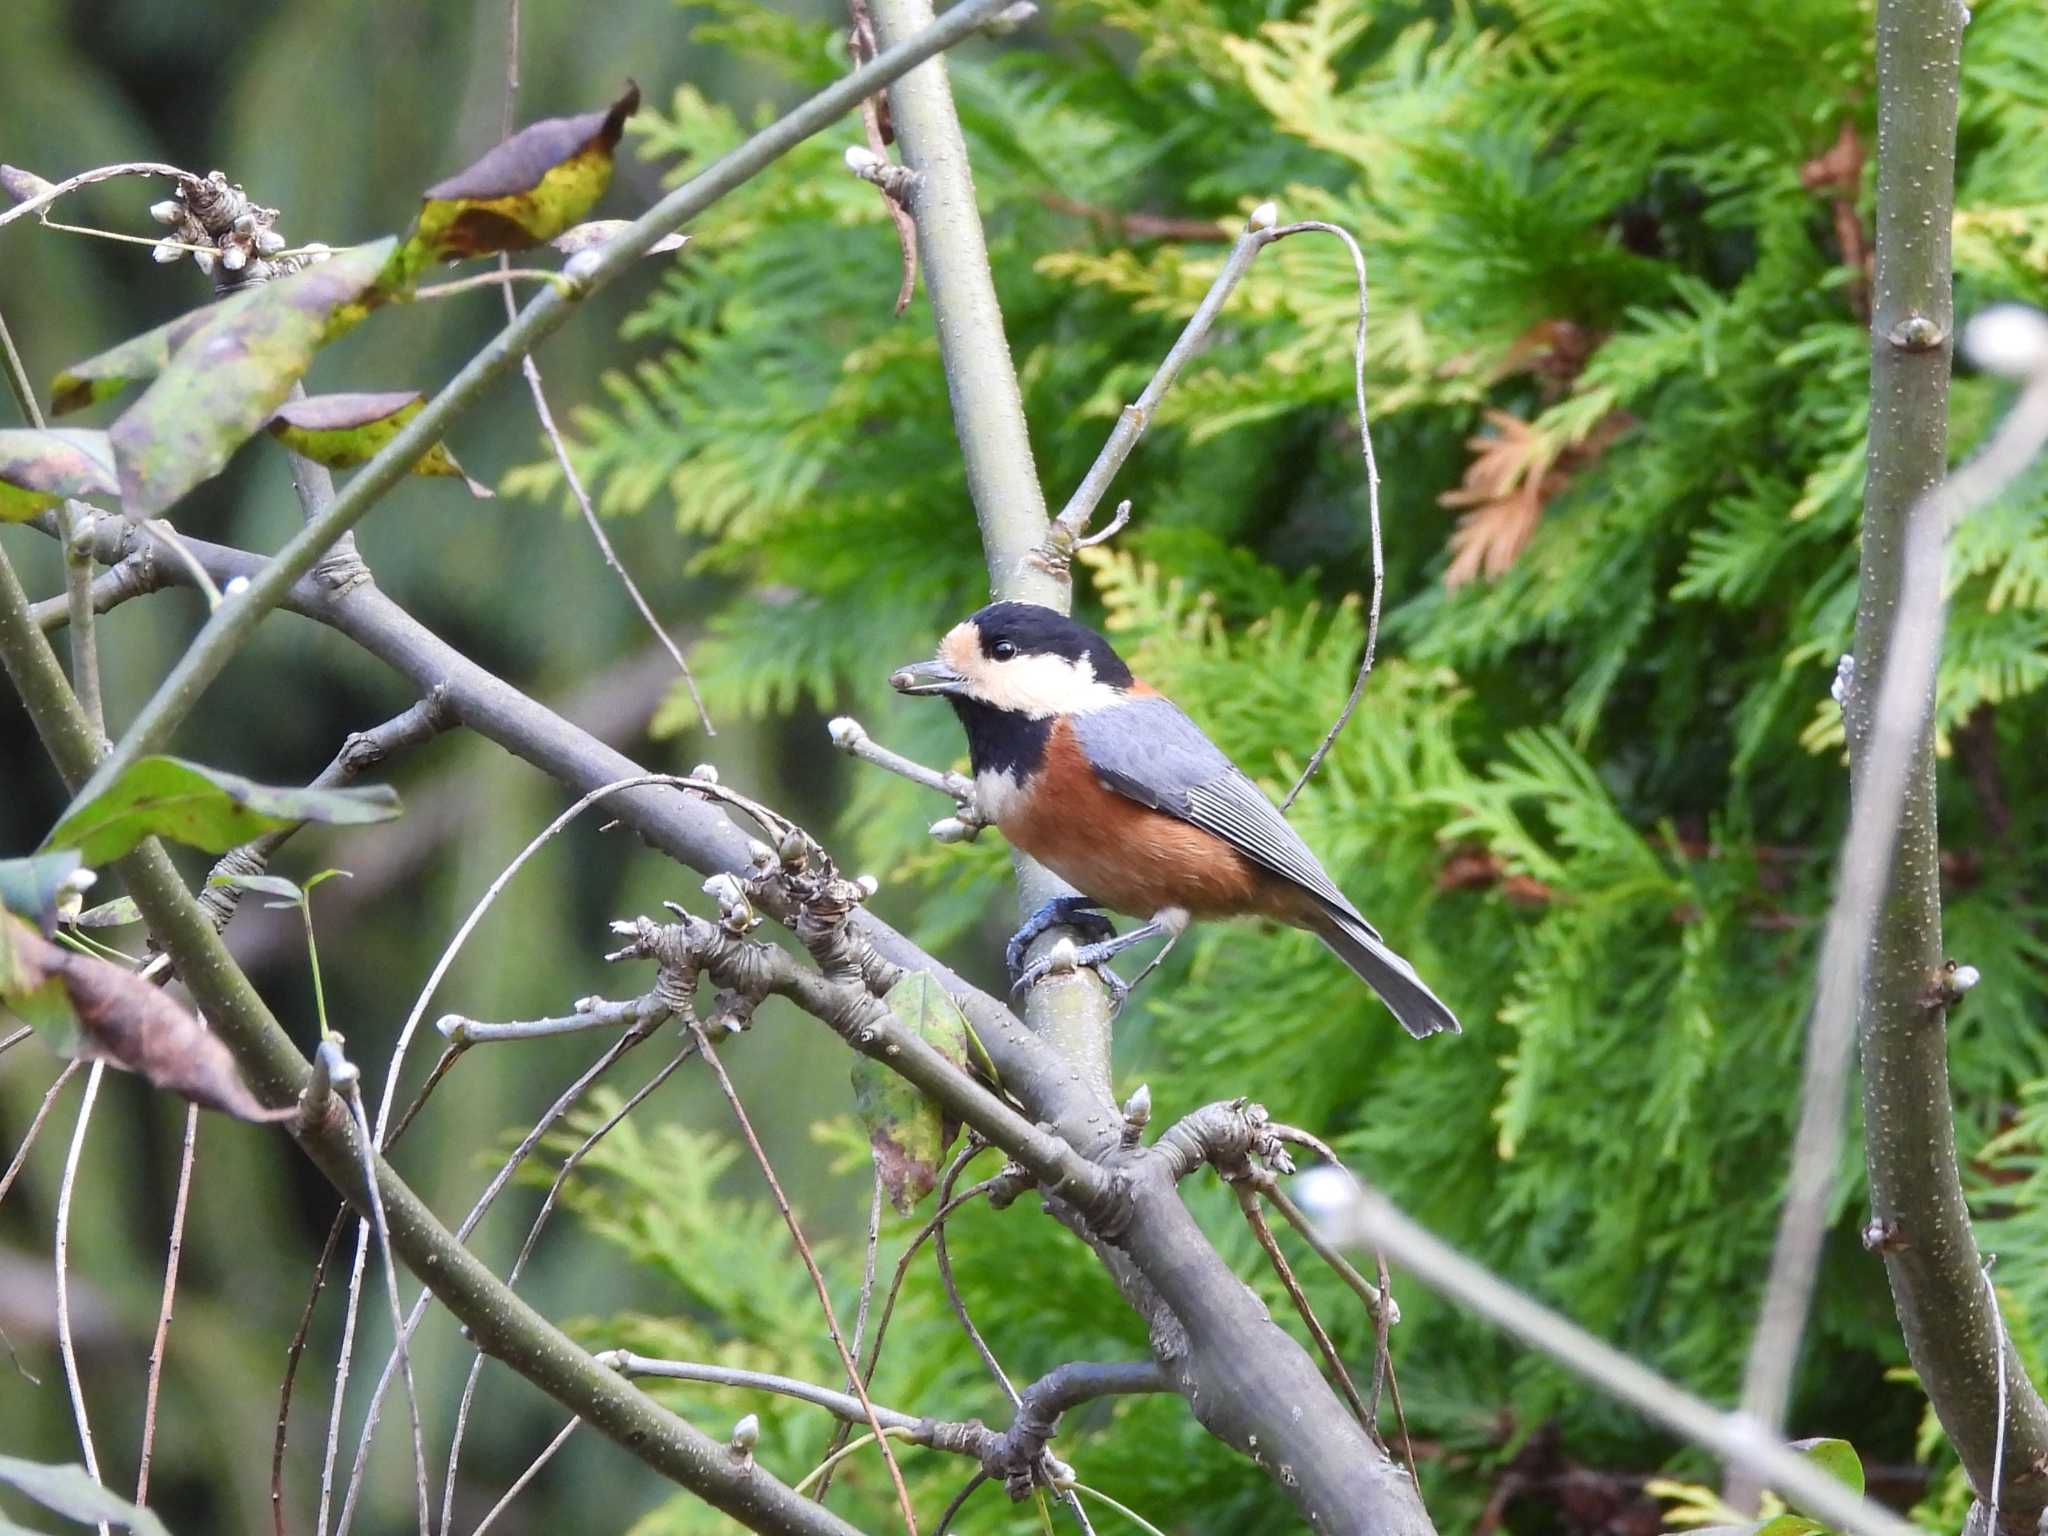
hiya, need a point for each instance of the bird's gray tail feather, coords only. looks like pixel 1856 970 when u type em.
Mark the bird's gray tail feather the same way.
pixel 1421 1012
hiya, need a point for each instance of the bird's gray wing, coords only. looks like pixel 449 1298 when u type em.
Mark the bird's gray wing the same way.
pixel 1148 750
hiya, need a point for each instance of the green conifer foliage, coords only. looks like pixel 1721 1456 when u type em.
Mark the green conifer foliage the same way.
pixel 1597 779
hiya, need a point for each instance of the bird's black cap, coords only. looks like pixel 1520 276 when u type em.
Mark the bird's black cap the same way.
pixel 1037 630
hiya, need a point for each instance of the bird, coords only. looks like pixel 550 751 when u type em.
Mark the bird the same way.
pixel 1106 782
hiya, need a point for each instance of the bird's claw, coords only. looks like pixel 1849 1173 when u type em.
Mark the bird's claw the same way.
pixel 1066 956
pixel 1061 911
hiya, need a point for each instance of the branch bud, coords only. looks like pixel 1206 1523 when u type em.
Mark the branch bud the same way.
pixel 951 829
pixel 169 211
pixel 1264 217
pixel 745 1436
pixel 845 731
pixel 708 772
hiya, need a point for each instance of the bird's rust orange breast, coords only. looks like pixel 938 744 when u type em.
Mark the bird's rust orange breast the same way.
pixel 1126 855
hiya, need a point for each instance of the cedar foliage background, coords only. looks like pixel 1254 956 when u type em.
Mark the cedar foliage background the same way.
pixel 1590 795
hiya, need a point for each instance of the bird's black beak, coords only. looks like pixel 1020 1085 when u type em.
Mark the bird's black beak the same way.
pixel 926 677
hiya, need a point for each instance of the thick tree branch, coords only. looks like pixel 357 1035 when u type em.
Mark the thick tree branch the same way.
pixel 1244 1377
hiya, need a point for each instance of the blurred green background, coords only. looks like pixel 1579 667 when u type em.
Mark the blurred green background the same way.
pixel 1618 372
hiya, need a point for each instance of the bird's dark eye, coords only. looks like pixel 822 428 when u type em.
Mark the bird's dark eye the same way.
pixel 1003 650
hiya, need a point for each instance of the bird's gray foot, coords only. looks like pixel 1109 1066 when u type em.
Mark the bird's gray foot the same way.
pixel 1075 912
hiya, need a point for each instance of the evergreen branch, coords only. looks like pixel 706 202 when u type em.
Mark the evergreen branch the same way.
pixel 232 622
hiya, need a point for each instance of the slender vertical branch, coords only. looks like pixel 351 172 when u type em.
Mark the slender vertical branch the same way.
pixel 67 1350
pixel 163 1317
pixel 1918 1211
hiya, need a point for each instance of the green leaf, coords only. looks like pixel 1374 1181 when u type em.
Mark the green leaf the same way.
pixel 908 1131
pixel 71 1491
pixel 342 431
pixel 29 989
pixel 231 374
pixel 118 913
pixel 39 469
pixel 1837 1458
pixel 527 190
pixel 264 885
pixel 205 807
pixel 32 887
pixel 107 373
pixel 84 1007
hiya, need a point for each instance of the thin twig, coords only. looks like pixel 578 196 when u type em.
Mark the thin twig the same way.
pixel 959 1502
pixel 519 1483
pixel 563 1103
pixel 803 1248
pixel 343 1360
pixel 11 1041
pixel 292 1355
pixel 28 1138
pixel 946 1208
pixel 867 1268
pixel 1257 234
pixel 186 1159
pixel 67 1349
pixel 604 544
pixel 880 1437
pixel 50 194
pixel 1368 1293
pixel 1248 1202
pixel 398 1325
pixel 547 417
pixel 1372 504
pixel 1382 1356
pixel 504 275
pixel 526 1248
pixel 476 915
pixel 953 1297
pixel 841 1405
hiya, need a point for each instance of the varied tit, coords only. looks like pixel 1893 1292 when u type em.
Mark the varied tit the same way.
pixel 1111 787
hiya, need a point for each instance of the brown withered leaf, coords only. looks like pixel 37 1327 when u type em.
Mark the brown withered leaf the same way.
pixel 1513 473
pixel 124 1021
pixel 1505 486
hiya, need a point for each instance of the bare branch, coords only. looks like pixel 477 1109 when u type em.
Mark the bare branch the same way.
pixel 1372 504
pixel 519 1483
pixel 1065 534
pixel 540 1220
pixel 1366 1218
pixel 796 1235
pixel 40 199
pixel 1248 1202
pixel 35 1124
pixel 67 1350
pixel 163 1316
